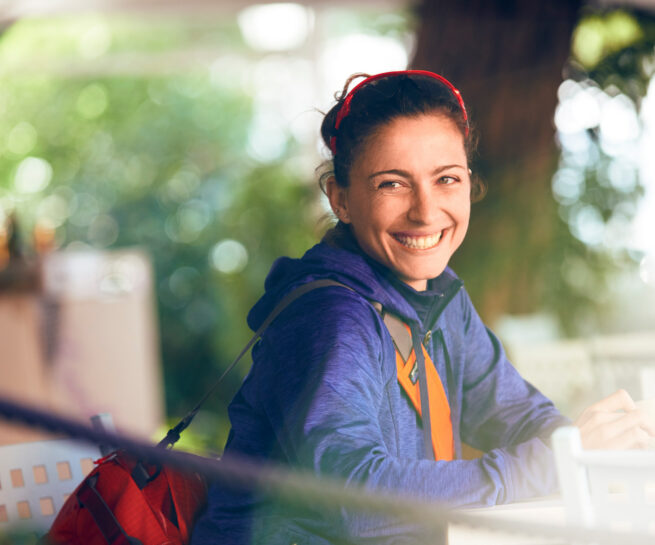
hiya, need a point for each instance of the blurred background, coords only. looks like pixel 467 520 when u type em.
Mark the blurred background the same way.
pixel 157 156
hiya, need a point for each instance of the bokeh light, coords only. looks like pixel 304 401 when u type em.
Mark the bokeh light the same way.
pixel 103 231
pixel 354 53
pixel 229 256
pixel 619 126
pixel 54 208
pixel 266 136
pixel 92 101
pixel 95 41
pixel 32 175
pixel 183 282
pixel 275 26
pixel 22 138
pixel 599 132
pixel 647 269
pixel 587 225
pixel 568 185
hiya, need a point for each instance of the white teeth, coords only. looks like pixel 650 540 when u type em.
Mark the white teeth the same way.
pixel 419 243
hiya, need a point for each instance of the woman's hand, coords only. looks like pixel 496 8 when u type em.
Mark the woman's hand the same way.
pixel 615 423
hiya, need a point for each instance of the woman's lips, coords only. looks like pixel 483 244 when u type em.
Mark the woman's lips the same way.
pixel 423 242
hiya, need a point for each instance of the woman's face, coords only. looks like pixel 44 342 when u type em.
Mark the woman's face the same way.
pixel 409 198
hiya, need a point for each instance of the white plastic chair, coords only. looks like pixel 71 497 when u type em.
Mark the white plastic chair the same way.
pixel 36 479
pixel 605 489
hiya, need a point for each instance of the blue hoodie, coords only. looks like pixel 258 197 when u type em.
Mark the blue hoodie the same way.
pixel 322 395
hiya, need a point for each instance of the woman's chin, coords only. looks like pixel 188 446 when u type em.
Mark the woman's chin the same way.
pixel 418 278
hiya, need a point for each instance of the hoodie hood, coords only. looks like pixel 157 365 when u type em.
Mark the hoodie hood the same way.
pixel 354 269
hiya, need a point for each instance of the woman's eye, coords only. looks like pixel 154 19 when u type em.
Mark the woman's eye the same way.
pixel 389 185
pixel 446 180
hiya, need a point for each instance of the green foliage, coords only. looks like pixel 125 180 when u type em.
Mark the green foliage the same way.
pixel 616 48
pixel 599 35
pixel 158 162
pixel 35 45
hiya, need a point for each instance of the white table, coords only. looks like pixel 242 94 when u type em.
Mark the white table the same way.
pixel 547 510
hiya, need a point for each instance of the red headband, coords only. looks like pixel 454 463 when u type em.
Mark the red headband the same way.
pixel 345 107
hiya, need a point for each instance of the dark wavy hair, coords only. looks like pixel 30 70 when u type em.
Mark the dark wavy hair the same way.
pixel 379 102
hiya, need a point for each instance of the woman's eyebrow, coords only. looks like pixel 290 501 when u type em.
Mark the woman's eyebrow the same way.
pixel 405 174
pixel 395 171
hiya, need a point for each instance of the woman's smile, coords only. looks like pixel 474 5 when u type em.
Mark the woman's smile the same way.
pixel 418 242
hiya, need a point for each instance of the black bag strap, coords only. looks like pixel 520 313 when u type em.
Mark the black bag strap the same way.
pixel 402 339
pixel 173 434
pixel 109 527
pixel 404 342
pixel 423 389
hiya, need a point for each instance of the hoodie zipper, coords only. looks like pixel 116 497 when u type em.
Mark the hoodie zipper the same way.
pixel 444 300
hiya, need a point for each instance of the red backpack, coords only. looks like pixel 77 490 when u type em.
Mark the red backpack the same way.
pixel 124 501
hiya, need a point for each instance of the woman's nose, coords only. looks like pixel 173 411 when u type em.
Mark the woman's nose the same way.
pixel 423 207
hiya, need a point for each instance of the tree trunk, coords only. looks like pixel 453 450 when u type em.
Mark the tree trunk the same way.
pixel 506 57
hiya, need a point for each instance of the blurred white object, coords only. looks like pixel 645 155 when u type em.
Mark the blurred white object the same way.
pixel 603 488
pixel 625 361
pixel 260 25
pixel 545 510
pixel 36 478
pixel 86 343
pixel 574 373
pixel 95 274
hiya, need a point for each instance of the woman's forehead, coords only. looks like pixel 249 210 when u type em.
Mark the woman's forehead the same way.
pixel 416 138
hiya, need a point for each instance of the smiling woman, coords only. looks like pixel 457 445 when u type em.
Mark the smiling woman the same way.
pixel 408 201
pixel 385 377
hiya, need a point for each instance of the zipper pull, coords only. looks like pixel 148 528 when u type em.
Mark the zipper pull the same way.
pixel 427 338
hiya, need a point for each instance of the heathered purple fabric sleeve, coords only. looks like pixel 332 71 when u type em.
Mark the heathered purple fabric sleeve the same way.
pixel 324 389
pixel 503 414
pixel 499 408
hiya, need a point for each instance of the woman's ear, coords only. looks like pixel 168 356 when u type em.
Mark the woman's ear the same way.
pixel 337 196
